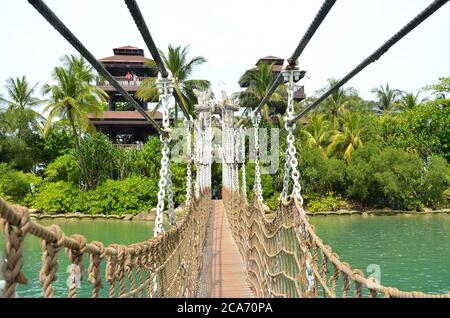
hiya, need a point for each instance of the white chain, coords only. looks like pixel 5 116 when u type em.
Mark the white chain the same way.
pixel 287 169
pixel 187 125
pixel 197 157
pixel 244 178
pixel 236 144
pixel 165 88
pixel 257 187
pixel 172 219
pixel 291 150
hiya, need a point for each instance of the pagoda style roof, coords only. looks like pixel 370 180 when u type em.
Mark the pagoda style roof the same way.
pixel 271 59
pixel 126 54
pixel 124 59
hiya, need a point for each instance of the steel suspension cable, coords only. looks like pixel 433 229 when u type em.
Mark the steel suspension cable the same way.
pixel 314 26
pixel 432 8
pixel 138 18
pixel 51 17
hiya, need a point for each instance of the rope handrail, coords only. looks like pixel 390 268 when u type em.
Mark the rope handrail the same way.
pixel 158 257
pixel 282 254
pixel 421 17
pixel 51 17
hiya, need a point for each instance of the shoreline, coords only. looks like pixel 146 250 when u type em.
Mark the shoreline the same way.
pixel 378 212
pixel 150 217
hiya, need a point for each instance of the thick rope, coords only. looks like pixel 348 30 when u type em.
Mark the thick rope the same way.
pixel 50 253
pixel 284 257
pixel 14 252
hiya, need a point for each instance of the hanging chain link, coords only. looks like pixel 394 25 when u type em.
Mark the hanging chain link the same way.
pixel 244 178
pixel 258 187
pixel 286 177
pixel 165 89
pixel 188 126
pixel 236 147
pixel 291 159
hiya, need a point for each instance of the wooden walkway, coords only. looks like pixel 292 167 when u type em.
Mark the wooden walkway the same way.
pixel 223 273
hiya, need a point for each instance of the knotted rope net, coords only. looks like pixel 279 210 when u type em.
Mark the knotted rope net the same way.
pixel 166 266
pixel 284 257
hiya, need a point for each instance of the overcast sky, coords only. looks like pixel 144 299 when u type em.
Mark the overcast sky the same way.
pixel 234 34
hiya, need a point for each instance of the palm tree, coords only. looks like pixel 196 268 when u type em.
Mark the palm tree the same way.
pixel 336 103
pixel 72 98
pixel 20 103
pixel 176 60
pixel 410 100
pixel 260 80
pixel 387 98
pixel 318 131
pixel 345 142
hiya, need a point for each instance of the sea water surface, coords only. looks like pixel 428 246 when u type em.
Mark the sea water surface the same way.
pixel 411 252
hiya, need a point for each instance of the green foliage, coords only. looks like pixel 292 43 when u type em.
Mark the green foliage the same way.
pixel 64 168
pixel 319 174
pixel 60 197
pixel 103 161
pixel 132 195
pixel 442 87
pixel 422 130
pixel 435 181
pixel 273 201
pixel 394 178
pixel 327 202
pixel 57 142
pixel 14 185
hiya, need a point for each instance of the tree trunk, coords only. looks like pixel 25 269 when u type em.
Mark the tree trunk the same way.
pixel 80 155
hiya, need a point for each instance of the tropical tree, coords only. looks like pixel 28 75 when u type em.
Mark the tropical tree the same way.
pixel 337 102
pixel 176 60
pixel 318 132
pixel 259 81
pixel 387 98
pixel 442 87
pixel 72 98
pixel 345 142
pixel 20 103
pixel 410 100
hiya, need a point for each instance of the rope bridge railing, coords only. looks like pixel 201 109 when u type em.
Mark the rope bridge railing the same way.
pixel 167 266
pixel 284 257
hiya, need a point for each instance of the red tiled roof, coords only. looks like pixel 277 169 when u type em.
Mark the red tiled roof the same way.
pixel 270 57
pixel 125 59
pixel 122 115
pixel 127 47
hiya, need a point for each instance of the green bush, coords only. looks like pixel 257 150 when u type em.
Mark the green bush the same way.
pixel 60 197
pixel 64 168
pixel 132 195
pixel 14 185
pixel 397 179
pixel 327 202
pixel 436 181
pixel 319 174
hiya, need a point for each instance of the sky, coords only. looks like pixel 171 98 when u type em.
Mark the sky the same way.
pixel 234 34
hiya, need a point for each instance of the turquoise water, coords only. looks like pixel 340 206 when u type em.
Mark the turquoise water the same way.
pixel 106 231
pixel 412 252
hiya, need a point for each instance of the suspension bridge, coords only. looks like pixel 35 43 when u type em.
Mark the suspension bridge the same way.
pixel 226 248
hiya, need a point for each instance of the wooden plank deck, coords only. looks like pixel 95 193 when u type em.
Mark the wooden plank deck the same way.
pixel 223 273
